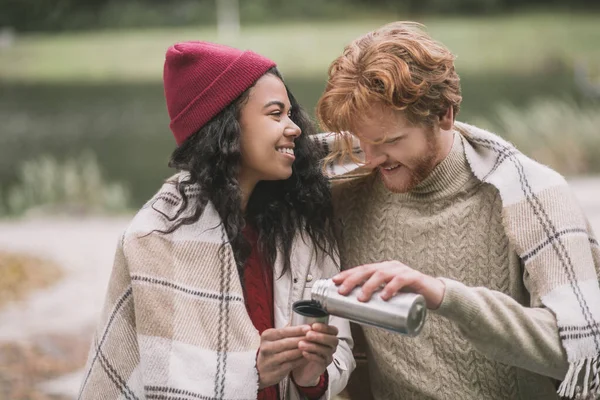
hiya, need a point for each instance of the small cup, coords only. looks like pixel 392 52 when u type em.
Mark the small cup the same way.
pixel 308 312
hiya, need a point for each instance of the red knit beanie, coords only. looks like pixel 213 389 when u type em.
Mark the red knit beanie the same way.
pixel 202 78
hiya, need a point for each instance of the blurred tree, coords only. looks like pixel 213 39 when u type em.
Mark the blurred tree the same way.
pixel 40 15
pixel 45 14
pixel 412 7
pixel 228 18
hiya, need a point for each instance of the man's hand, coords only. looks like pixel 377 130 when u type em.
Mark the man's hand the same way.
pixel 279 353
pixel 317 348
pixel 396 277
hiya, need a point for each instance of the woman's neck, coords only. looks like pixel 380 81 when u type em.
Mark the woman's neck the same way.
pixel 247 186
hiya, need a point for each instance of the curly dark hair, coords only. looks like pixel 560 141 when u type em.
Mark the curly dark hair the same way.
pixel 276 209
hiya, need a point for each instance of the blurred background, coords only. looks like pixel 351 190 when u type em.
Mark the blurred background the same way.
pixel 85 141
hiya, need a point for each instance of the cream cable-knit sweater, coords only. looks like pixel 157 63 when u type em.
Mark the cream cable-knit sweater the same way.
pixel 451 226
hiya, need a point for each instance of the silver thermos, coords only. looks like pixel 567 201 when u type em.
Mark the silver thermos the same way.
pixel 308 312
pixel 404 313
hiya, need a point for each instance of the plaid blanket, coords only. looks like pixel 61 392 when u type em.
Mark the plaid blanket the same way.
pixel 552 237
pixel 175 326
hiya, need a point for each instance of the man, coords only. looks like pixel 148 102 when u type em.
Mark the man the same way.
pixel 494 241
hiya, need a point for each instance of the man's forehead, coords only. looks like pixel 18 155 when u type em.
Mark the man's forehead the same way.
pixel 379 125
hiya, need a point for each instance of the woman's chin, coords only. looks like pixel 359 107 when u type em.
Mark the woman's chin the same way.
pixel 278 176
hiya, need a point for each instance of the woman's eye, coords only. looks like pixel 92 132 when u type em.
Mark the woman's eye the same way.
pixel 279 114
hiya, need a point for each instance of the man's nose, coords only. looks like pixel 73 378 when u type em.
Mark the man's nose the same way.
pixel 373 158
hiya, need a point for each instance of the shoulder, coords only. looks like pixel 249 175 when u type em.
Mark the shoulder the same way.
pixel 345 184
pixel 495 160
pixel 345 189
pixel 156 212
pixel 164 209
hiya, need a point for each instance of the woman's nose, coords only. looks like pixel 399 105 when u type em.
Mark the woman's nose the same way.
pixel 292 130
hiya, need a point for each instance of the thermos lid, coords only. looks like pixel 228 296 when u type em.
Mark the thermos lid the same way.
pixel 416 316
pixel 309 308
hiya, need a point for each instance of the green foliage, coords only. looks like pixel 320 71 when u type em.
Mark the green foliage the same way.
pixel 520 44
pixel 3 209
pixel 61 94
pixel 137 13
pixel 40 15
pixel 75 185
pixel 559 133
pixel 61 15
pixel 53 15
pixel 474 7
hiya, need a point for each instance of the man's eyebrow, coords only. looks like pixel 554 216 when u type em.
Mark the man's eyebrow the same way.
pixel 387 138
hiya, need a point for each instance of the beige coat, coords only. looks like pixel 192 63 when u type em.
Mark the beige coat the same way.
pixel 175 322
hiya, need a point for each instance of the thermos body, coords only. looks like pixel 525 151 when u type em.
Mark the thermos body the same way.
pixel 404 313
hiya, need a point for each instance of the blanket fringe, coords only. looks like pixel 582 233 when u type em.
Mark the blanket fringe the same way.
pixel 590 384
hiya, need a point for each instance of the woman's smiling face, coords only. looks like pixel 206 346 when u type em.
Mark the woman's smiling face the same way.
pixel 267 132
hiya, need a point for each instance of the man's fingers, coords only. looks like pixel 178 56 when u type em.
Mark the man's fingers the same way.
pixel 374 283
pixel 356 278
pixel 393 275
pixel 409 280
pixel 395 285
pixel 272 335
pixel 339 278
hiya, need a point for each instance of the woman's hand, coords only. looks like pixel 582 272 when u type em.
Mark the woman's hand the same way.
pixel 317 349
pixel 279 353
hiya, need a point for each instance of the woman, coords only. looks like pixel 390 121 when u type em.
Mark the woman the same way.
pixel 200 295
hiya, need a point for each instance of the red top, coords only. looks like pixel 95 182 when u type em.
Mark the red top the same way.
pixel 258 291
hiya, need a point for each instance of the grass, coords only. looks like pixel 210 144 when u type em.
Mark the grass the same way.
pixel 26 365
pixel 23 274
pixel 520 43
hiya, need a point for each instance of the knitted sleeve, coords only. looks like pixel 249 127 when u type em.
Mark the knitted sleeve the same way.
pixel 504 330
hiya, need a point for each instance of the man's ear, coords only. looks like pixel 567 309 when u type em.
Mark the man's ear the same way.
pixel 447 119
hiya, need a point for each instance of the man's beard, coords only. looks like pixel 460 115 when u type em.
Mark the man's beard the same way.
pixel 424 166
